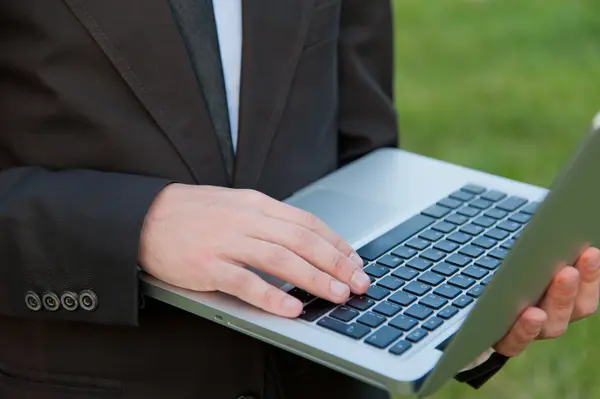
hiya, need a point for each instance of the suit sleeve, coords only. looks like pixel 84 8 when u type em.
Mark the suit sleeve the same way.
pixel 69 243
pixel 367 117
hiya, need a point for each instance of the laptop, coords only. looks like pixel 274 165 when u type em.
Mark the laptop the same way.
pixel 454 255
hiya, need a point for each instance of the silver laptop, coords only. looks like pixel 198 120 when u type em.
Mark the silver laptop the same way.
pixel 453 254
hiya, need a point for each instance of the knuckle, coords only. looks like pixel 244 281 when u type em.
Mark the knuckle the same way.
pixel 586 309
pixel 278 255
pixel 311 221
pixel 269 298
pixel 303 238
pixel 252 196
pixel 555 331
pixel 339 265
pixel 239 282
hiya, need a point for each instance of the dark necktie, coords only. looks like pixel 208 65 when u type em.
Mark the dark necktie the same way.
pixel 196 21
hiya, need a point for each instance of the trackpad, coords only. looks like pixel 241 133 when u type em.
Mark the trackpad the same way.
pixel 351 217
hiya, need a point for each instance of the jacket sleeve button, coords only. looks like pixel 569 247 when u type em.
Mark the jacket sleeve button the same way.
pixel 51 301
pixel 88 300
pixel 33 301
pixel 69 300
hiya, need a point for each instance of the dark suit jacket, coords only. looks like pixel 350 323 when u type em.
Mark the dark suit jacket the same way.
pixel 99 111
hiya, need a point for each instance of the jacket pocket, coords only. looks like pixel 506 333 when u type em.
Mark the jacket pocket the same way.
pixel 30 382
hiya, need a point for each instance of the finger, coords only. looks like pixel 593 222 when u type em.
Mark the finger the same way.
pixel 315 250
pixel 525 330
pixel 284 264
pixel 587 298
pixel 280 210
pixel 250 288
pixel 559 301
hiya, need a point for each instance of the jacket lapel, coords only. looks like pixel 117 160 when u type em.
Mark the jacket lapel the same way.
pixel 273 36
pixel 144 44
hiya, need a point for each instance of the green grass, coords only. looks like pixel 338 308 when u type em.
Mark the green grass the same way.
pixel 508 87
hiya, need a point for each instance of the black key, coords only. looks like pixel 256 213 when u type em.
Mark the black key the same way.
pixel 508 244
pixel 446 246
pixel 433 255
pixel 456 219
pixel 496 213
pixel 372 279
pixel 391 261
pixel 418 312
pixel 436 211
pixel 403 322
pixel 498 253
pixel 472 229
pixel 365 262
pixel 445 269
pixel 473 188
pixel 360 302
pixel 531 208
pixel 488 263
pixel 475 272
pixel 462 195
pixel 432 323
pixel 487 280
pixel 383 337
pixel 484 242
pixel 403 298
pixel 400 348
pixel 376 270
pixel 509 226
pixel 476 291
pixel 463 302
pixel 344 313
pixel 353 330
pixel 417 335
pixel 391 283
pixel 481 204
pixel 405 273
pixel 458 260
pixel 444 227
pixel 520 218
pixel 459 238
pixel 447 291
pixel 450 203
pixel 431 278
pixel 468 211
pixel 419 264
pixel 387 309
pixel 431 235
pixel 416 288
pixel 377 293
pixel 372 320
pixel 433 301
pixel 496 234
pixel 316 309
pixel 471 251
pixel 494 195
pixel 461 281
pixel 448 312
pixel 512 203
pixel 301 295
pixel 418 243
pixel 484 221
pixel 398 234
pixel 404 252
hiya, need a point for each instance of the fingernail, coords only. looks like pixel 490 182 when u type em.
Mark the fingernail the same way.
pixel 569 283
pixel 291 304
pixel 593 266
pixel 356 259
pixel 338 289
pixel 360 281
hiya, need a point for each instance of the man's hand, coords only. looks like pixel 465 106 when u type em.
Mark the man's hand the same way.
pixel 572 295
pixel 201 238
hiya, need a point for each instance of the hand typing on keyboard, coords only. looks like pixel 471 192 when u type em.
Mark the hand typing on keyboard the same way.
pixel 572 295
pixel 201 237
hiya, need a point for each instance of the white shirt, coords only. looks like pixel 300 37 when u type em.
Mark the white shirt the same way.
pixel 228 16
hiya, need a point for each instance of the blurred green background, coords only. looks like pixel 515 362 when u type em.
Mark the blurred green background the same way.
pixel 508 87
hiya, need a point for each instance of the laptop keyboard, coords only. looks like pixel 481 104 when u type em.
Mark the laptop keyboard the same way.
pixel 426 270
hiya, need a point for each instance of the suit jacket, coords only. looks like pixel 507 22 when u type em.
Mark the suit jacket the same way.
pixel 99 111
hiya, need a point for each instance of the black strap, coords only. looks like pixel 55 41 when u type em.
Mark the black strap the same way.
pixel 196 21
